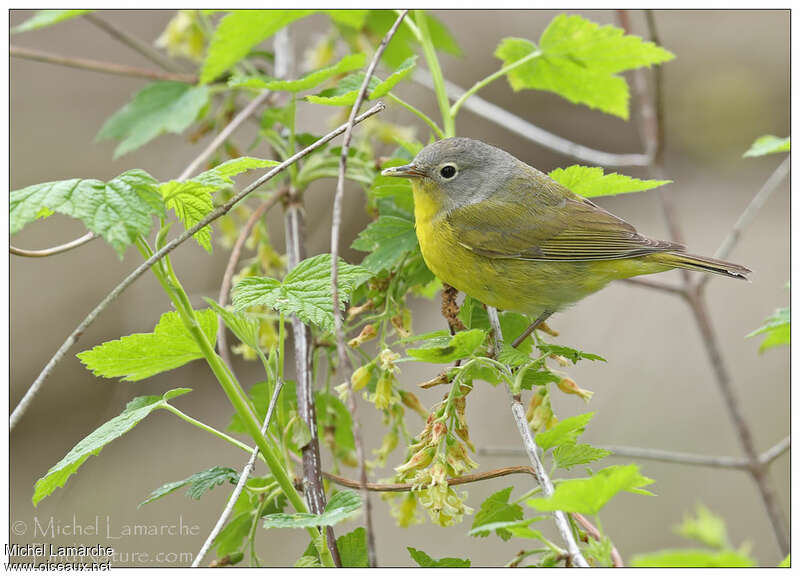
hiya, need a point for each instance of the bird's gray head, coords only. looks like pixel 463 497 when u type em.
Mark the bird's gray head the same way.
pixel 462 170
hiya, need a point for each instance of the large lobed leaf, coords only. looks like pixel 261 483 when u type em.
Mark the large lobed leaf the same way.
pixel 158 108
pixel 388 240
pixel 580 61
pixel 240 31
pixel 134 412
pixel 496 509
pixel 142 355
pixel 305 292
pixel 118 210
pixel 589 181
pixel 591 494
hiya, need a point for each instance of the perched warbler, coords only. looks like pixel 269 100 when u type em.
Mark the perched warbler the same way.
pixel 508 235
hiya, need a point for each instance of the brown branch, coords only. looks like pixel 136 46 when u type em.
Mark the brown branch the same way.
pixel 338 330
pixel 233 260
pixel 99 66
pixel 450 308
pixel 453 481
pixel 656 285
pixel 53 250
pixel 591 530
pixel 651 116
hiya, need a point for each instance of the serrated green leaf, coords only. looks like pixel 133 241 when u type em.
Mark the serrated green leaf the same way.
pixel 191 199
pixel 573 355
pixel 306 290
pixel 589 495
pixel 307 82
pixel 44 18
pixel 513 357
pixel 569 454
pixel 693 558
pixel 425 560
pixel 564 432
pixel 199 483
pixel 341 506
pixel 240 31
pixel 142 355
pixel 518 528
pixel 768 144
pixel 388 240
pixel 459 346
pixel 353 548
pixel 705 527
pixel 536 378
pixel 579 60
pixel 496 509
pixel 158 108
pixel 346 91
pixel 777 329
pixel 118 210
pixel 590 182
pixel 92 444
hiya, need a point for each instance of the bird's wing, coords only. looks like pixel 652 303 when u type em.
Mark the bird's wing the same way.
pixel 550 224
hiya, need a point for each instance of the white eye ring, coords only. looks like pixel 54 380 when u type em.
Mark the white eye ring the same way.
pixel 448 171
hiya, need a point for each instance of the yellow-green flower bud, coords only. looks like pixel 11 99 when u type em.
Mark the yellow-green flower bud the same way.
pixel 570 387
pixel 361 376
pixel 368 333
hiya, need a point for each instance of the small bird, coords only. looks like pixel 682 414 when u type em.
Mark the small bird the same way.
pixel 508 235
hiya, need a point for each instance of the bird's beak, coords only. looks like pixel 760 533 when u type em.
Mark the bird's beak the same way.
pixel 407 171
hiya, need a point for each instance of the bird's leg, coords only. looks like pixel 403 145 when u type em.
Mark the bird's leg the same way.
pixel 532 327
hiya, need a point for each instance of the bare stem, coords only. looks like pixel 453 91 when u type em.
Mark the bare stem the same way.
pixel 248 468
pixel 133 42
pixel 99 66
pixel 453 481
pixel 23 405
pixel 53 250
pixel 616 558
pixel 339 331
pixel 562 524
pixel 529 131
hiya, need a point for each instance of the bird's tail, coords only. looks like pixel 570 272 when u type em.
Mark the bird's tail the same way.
pixel 704 264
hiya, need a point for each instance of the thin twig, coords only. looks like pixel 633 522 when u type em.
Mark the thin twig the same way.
pixel 223 135
pixel 775 451
pixel 99 66
pixel 233 260
pixel 53 250
pixel 562 524
pixel 23 405
pixel 522 127
pixel 133 42
pixel 337 318
pixel 616 558
pixel 248 468
pixel 453 481
pixel 750 213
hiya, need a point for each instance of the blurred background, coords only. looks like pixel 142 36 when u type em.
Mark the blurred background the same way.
pixel 728 85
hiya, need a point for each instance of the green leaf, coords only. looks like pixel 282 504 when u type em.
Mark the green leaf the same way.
pixel 310 80
pixel 768 144
pixel 259 393
pixel 564 432
pixel 589 495
pixel 388 240
pixel 134 412
pixel 346 91
pixel 353 548
pixel 341 506
pixel 306 290
pixel 786 562
pixel 402 45
pixel 158 108
pixel 573 355
pixel 580 61
pixel 118 210
pixel 777 329
pixel 44 18
pixel 693 558
pixel 240 31
pixel 244 327
pixel 459 346
pixel 332 412
pixel 191 199
pixel 141 355
pixel 425 560
pixel 234 533
pixel 517 528
pixel 589 181
pixel 513 357
pixel 706 527
pixel 351 18
pixel 568 455
pixel 199 483
pixel 496 509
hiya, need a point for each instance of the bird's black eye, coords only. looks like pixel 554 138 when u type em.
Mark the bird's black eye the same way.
pixel 448 171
